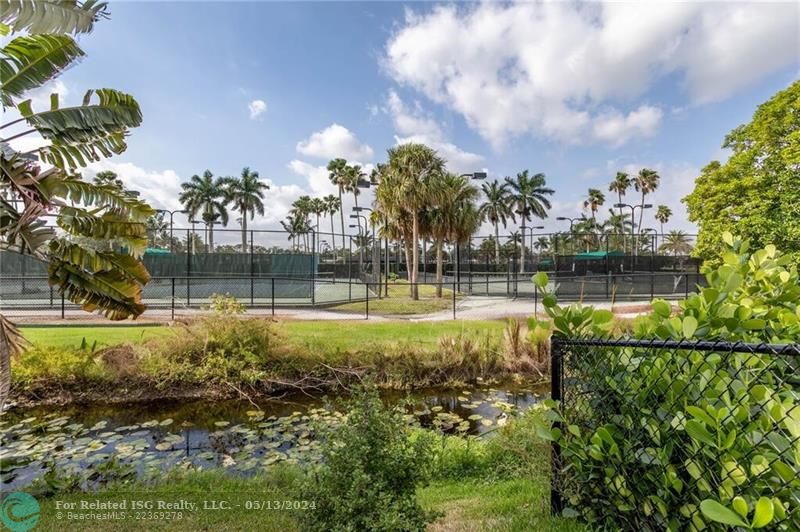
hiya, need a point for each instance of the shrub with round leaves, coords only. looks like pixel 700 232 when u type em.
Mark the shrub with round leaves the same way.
pixel 681 439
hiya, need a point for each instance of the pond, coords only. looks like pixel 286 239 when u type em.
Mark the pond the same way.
pixel 87 444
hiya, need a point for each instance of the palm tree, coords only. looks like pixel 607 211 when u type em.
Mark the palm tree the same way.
pixel 246 194
pixel 354 177
pixel 676 243
pixel 205 196
pixel 80 268
pixel 663 214
pixel 301 209
pixel 594 201
pixel 529 195
pixel 620 185
pixel 450 218
pixel 646 182
pixel 406 188
pixel 497 209
pixel 332 206
pixel 337 173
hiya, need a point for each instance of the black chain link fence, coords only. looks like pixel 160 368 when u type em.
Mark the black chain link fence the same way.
pixel 651 429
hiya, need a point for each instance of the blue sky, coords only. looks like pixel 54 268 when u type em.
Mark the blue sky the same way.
pixel 576 91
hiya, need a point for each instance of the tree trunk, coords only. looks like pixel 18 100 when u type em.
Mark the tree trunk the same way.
pixel 439 267
pixel 497 246
pixel 341 216
pixel 333 239
pixel 211 237
pixel 5 371
pixel 522 249
pixel 244 231
pixel 414 254
pixel 407 251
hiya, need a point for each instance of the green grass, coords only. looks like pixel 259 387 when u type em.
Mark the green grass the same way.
pixel 68 336
pixel 344 335
pixel 502 505
pixel 399 303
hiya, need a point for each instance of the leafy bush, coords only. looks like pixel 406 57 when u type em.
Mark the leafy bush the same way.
pixel 681 439
pixel 216 350
pixel 226 305
pixel 372 468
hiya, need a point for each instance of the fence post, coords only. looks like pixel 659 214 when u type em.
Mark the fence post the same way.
pixel 652 285
pixel 188 291
pixel 454 299
pixel 62 305
pixel 535 301
pixel 173 299
pixel 366 308
pixel 556 394
pixel 272 294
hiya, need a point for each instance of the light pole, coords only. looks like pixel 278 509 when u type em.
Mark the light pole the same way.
pixel 571 223
pixel 171 214
pixel 523 238
pixel 475 175
pixel 633 219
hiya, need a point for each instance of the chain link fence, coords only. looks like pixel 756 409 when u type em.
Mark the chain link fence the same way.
pixel 651 429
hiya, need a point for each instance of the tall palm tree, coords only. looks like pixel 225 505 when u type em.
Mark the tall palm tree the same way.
pixel 301 210
pixel 450 218
pixel 529 195
pixel 406 188
pixel 645 182
pixel 663 214
pixel 205 196
pixel 337 173
pixel 676 243
pixel 620 185
pixel 594 201
pixel 317 207
pixel 497 209
pixel 332 206
pixel 246 194
pixel 354 176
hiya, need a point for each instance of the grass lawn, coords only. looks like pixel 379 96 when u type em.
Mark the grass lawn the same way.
pixel 342 335
pixel 399 302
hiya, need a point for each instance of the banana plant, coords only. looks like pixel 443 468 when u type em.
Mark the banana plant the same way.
pixel 43 182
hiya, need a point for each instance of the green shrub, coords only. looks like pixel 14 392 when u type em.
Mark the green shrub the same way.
pixel 681 439
pixel 371 470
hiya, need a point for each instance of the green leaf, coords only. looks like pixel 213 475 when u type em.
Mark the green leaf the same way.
pixel 662 308
pixel 31 61
pixel 689 326
pixel 601 316
pixel 52 16
pixel 720 514
pixel 540 279
pixel 764 512
pixel 702 415
pixel 740 505
pixel 698 432
pixel 85 133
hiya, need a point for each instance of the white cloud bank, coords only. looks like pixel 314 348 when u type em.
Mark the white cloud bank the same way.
pixel 257 108
pixel 334 141
pixel 571 71
pixel 413 125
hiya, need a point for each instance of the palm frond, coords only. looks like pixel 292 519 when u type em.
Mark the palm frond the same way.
pixel 31 61
pixel 11 336
pixel 52 16
pixel 112 199
pixel 94 261
pixel 108 291
pixel 84 133
pixel 108 226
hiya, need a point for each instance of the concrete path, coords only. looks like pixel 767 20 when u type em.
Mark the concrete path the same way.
pixel 468 308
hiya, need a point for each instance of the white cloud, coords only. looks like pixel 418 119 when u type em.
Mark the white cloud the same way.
pixel 257 108
pixel 412 125
pixel 334 141
pixel 616 128
pixel 570 71
pixel 159 188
